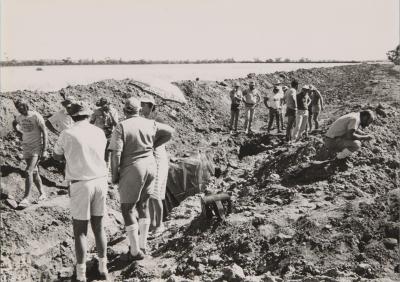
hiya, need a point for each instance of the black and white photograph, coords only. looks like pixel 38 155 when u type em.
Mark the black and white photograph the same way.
pixel 200 140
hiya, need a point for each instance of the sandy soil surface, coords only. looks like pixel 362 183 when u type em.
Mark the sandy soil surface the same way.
pixel 297 215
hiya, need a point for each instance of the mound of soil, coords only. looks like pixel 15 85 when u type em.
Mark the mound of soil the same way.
pixel 298 214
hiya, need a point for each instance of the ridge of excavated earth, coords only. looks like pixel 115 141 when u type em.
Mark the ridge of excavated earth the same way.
pixel 298 215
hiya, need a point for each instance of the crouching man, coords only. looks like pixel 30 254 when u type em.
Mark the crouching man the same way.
pixel 345 136
pixel 83 147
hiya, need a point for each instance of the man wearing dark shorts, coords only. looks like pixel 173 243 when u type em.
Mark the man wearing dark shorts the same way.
pixel 134 169
pixel 236 96
pixel 291 108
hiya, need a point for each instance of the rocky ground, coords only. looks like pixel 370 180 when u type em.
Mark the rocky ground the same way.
pixel 297 215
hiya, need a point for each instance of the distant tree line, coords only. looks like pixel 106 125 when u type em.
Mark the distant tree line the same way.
pixel 109 61
pixel 394 55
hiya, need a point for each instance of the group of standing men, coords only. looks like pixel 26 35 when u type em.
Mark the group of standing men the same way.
pixel 139 165
pixel 301 108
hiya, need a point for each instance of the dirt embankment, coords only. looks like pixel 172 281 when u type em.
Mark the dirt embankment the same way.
pixel 295 217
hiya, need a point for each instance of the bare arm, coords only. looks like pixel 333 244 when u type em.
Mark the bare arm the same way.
pixel 43 130
pixel 115 162
pixel 357 135
pixel 16 127
pixel 51 127
pixel 321 99
pixel 163 135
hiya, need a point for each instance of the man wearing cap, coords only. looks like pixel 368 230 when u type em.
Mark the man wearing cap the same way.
pixel 83 147
pixel 316 106
pixel 303 101
pixel 61 120
pixel 251 99
pixel 273 101
pixel 106 118
pixel 31 126
pixel 236 96
pixel 344 135
pixel 160 182
pixel 291 108
pixel 134 169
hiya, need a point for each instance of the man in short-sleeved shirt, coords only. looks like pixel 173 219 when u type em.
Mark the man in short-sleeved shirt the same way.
pixel 34 144
pixel 251 98
pixel 134 169
pixel 83 147
pixel 344 135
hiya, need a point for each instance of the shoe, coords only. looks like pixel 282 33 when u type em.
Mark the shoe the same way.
pixel 129 257
pixel 42 197
pixel 103 277
pixel 159 230
pixel 24 203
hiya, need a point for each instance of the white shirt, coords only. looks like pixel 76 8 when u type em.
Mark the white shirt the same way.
pixel 274 100
pixel 344 124
pixel 61 120
pixel 83 146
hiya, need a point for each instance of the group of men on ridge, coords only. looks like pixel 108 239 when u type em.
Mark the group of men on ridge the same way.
pixel 301 109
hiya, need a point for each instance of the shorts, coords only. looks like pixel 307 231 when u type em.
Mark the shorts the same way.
pixel 30 151
pixel 290 112
pixel 235 107
pixel 315 109
pixel 160 182
pixel 339 143
pixel 88 198
pixel 135 181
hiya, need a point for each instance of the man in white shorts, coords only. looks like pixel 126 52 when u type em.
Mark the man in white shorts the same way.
pixel 31 126
pixel 83 147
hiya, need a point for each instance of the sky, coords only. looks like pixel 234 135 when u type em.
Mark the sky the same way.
pixel 198 29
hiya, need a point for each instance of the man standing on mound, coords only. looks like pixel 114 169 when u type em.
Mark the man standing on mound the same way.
pixel 251 99
pixel 344 135
pixel 134 169
pixel 83 147
pixel 31 126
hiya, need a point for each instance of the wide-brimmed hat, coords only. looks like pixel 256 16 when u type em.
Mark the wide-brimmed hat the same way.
pixel 68 100
pixel 148 99
pixel 80 109
pixel 306 87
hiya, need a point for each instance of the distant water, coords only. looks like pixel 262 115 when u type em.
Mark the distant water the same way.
pixel 53 78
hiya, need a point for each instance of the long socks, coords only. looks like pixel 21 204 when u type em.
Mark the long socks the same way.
pixel 133 236
pixel 144 224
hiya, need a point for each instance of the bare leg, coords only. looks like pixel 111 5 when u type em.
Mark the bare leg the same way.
pixel 31 167
pixel 38 181
pixel 80 232
pixel 236 119
pixel 315 117
pixel 153 213
pixel 99 235
pixel 159 211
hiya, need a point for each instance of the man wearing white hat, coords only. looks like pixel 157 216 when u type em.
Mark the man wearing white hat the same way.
pixel 83 147
pixel 134 169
